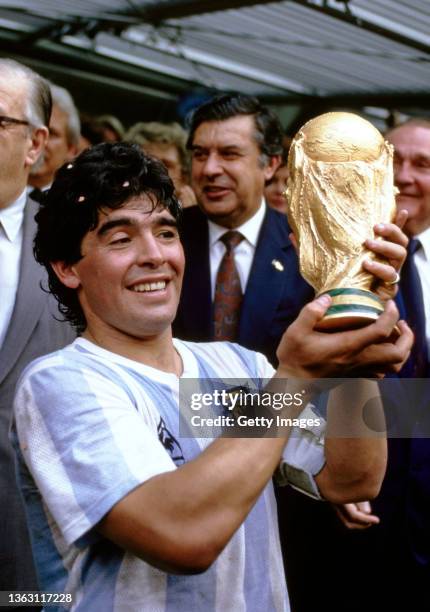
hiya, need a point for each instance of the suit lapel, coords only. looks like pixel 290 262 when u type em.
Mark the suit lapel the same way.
pixel 272 272
pixel 30 299
pixel 412 294
pixel 196 302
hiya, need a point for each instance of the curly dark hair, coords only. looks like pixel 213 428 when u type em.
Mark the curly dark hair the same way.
pixel 268 129
pixel 105 176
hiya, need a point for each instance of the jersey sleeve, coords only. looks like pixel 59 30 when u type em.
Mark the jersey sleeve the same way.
pixel 85 442
pixel 303 456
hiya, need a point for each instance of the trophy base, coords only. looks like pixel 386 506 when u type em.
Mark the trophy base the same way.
pixel 350 309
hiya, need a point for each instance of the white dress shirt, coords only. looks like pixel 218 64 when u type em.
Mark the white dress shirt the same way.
pixel 11 222
pixel 243 253
pixel 31 188
pixel 422 262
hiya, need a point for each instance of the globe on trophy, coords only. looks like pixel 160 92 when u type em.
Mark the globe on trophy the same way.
pixel 340 185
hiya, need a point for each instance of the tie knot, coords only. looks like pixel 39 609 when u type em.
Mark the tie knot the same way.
pixel 413 246
pixel 231 240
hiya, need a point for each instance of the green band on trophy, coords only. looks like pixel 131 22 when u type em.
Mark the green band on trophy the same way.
pixel 347 309
pixel 352 291
pixel 351 308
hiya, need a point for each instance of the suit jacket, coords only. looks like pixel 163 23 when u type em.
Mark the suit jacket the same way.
pixel 392 559
pixel 404 501
pixel 274 295
pixel 32 332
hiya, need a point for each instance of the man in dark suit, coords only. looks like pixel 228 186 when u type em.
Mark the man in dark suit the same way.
pixel 236 145
pixel 27 326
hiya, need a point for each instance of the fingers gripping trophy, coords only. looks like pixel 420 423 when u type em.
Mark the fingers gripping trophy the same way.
pixel 340 185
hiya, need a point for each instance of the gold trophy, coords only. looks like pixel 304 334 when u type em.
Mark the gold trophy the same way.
pixel 340 185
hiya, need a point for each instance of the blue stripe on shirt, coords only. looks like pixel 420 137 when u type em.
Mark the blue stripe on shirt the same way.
pixel 102 482
pixel 51 573
pixel 99 576
pixel 192 593
pixel 162 397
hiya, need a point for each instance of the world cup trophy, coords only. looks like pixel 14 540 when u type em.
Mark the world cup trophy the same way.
pixel 340 185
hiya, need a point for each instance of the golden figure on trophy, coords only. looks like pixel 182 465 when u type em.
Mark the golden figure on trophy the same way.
pixel 340 185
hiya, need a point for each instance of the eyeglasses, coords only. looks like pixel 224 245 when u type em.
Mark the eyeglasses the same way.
pixel 5 121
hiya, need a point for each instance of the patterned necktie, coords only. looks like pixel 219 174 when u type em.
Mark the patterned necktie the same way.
pixel 413 297
pixel 228 292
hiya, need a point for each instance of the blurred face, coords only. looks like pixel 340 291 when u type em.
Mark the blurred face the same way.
pixel 412 174
pixel 129 278
pixel 16 145
pixel 168 154
pixel 226 172
pixel 274 190
pixel 57 150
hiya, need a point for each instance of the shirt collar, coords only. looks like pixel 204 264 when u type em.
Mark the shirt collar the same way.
pixel 249 230
pixel 31 188
pixel 12 216
pixel 424 239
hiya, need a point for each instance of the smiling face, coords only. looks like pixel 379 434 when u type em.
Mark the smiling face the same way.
pixel 412 174
pixel 130 275
pixel 227 173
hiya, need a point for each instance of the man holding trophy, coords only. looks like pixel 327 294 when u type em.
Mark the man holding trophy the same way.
pixel 126 508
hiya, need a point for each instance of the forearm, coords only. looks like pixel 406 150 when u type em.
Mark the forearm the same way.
pixel 181 520
pixel 355 445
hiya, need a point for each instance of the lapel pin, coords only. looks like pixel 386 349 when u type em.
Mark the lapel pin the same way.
pixel 277 265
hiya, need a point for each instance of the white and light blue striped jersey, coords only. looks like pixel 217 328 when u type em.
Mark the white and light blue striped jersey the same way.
pixel 90 426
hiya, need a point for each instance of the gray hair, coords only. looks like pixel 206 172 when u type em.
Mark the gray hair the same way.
pixel 143 133
pixel 62 98
pixel 39 102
